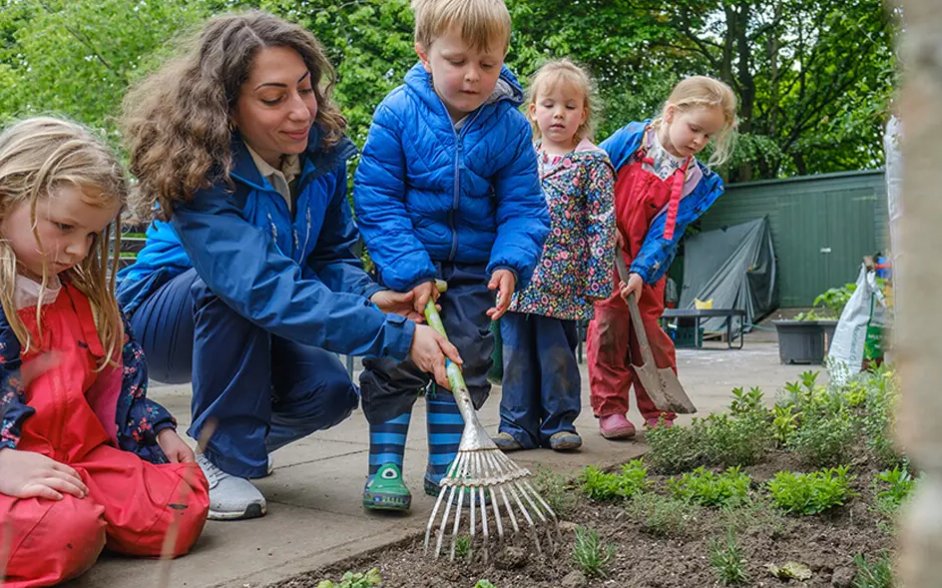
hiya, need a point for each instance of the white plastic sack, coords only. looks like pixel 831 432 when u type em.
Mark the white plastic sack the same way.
pixel 866 308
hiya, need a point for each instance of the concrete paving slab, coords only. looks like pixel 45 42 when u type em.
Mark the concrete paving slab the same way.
pixel 315 517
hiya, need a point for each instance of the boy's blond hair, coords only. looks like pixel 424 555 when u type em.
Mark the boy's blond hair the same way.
pixel 565 72
pixel 704 91
pixel 481 22
pixel 37 157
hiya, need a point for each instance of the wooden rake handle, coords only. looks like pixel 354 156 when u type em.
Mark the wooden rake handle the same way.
pixel 647 358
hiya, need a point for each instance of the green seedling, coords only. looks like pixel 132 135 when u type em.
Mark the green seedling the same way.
pixel 707 488
pixel 661 516
pixel 893 486
pixel 462 546
pixel 590 554
pixel 873 574
pixel 809 494
pixel 355 580
pixel 727 561
pixel 599 485
pixel 556 491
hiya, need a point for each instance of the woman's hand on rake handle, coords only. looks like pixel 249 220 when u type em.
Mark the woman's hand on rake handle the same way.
pixel 428 353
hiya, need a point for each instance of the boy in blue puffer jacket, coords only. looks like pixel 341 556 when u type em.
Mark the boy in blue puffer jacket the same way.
pixel 447 188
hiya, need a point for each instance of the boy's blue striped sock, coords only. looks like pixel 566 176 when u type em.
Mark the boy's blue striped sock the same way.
pixel 388 442
pixel 444 435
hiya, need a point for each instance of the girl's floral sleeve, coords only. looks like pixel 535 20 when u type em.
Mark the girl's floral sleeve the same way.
pixel 13 407
pixel 600 204
pixel 144 418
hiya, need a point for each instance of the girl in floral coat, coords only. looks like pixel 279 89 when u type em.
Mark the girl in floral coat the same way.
pixel 541 383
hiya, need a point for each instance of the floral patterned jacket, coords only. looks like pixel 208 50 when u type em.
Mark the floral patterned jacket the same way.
pixel 576 266
pixel 137 420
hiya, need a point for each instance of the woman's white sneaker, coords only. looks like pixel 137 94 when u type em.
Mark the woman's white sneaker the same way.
pixel 230 497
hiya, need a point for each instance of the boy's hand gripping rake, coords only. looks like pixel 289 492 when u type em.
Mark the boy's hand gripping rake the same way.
pixel 486 478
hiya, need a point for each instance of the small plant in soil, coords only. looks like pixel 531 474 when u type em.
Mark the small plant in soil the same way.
pixel 727 561
pixel 873 574
pixel 599 485
pixel 879 415
pixel 355 580
pixel 591 554
pixel 892 488
pixel 741 439
pixel 784 423
pixel 484 584
pixel 809 494
pixel 556 491
pixel 462 546
pixel 708 488
pixel 756 514
pixel 661 516
pixel 672 449
pixel 823 438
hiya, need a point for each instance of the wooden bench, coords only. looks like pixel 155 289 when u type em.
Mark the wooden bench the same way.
pixel 696 315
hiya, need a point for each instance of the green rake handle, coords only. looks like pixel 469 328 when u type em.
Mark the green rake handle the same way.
pixel 455 379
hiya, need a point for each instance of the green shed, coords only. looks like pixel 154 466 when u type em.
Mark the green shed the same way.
pixel 821 226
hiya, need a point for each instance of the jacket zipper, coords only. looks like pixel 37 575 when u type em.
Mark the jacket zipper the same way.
pixel 459 158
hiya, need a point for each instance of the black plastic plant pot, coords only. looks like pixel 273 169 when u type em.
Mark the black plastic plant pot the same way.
pixel 804 342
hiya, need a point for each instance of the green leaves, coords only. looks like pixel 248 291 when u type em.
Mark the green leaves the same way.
pixel 809 494
pixel 707 488
pixel 599 485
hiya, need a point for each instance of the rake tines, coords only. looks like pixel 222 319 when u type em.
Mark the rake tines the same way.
pixel 484 476
pixel 498 496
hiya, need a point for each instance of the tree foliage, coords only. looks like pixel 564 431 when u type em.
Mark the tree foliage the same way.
pixel 814 76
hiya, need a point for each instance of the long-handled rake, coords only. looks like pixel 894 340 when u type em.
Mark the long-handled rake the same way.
pixel 484 475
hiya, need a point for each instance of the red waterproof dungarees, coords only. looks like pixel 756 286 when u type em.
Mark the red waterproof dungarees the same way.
pixel 131 504
pixel 611 344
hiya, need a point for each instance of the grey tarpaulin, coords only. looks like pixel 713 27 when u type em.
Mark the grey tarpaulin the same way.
pixel 735 266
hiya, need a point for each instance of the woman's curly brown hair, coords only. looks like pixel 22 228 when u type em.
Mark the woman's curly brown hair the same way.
pixel 176 121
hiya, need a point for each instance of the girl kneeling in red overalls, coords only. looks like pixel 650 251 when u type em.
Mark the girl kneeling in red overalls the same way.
pixel 660 188
pixel 86 461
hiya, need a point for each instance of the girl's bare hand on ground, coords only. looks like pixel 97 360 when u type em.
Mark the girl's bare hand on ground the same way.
pixel 398 303
pixel 175 448
pixel 422 294
pixel 634 285
pixel 504 282
pixel 428 353
pixel 27 474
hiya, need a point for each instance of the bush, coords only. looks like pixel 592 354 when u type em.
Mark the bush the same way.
pixel 661 516
pixel 813 493
pixel 673 449
pixel 823 438
pixel 707 488
pixel 590 553
pixel 599 485
pixel 737 440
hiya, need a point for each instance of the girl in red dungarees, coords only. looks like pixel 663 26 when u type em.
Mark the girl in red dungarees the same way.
pixel 660 188
pixel 86 461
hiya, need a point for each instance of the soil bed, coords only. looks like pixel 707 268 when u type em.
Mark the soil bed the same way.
pixel 825 543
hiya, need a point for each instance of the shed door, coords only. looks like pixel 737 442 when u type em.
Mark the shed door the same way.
pixel 828 232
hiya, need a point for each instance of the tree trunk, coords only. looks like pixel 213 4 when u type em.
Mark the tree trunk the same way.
pixel 919 344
